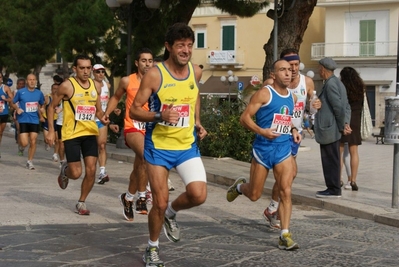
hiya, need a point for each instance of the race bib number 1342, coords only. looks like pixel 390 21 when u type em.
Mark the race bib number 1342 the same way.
pixel 85 113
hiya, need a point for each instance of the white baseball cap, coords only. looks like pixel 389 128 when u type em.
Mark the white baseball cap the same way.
pixel 98 67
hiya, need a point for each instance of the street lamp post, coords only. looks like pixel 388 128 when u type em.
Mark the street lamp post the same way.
pixel 230 79
pixel 127 14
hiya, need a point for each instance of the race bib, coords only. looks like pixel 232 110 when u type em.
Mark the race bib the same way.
pixel 184 116
pixel 2 106
pixel 282 123
pixel 31 106
pixel 139 125
pixel 104 101
pixel 298 110
pixel 85 113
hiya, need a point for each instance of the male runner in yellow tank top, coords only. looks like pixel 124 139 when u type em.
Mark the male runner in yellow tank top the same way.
pixel 81 105
pixel 134 135
pixel 173 126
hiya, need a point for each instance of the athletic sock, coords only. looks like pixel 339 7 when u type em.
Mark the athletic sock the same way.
pixel 129 196
pixel 170 212
pixel 153 243
pixel 273 206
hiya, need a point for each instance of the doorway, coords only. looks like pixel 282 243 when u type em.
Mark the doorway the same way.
pixel 370 93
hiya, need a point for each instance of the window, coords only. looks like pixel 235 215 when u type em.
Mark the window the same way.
pixel 200 37
pixel 228 37
pixel 201 40
pixel 367 38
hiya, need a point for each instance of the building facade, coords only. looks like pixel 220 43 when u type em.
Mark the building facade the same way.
pixel 225 42
pixel 363 34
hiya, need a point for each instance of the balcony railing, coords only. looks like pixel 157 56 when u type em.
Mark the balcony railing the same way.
pixel 361 50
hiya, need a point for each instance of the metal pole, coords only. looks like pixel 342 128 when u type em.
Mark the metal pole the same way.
pixel 229 91
pixel 396 146
pixel 275 31
pixel 129 43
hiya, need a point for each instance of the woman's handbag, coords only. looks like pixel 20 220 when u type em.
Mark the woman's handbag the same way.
pixel 366 127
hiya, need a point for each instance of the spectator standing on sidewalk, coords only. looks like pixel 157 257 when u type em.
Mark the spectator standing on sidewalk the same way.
pixel 5 100
pixel 355 90
pixel 81 105
pixel 134 131
pixel 171 89
pixel 99 76
pixel 331 122
pixel 272 106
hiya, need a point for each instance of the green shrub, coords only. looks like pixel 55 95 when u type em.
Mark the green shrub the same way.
pixel 226 136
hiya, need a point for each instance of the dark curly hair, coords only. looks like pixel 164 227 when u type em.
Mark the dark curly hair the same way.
pixel 353 83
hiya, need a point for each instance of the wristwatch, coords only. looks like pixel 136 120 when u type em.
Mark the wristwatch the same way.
pixel 158 117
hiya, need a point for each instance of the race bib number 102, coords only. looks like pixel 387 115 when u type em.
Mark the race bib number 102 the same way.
pixel 85 113
pixel 282 123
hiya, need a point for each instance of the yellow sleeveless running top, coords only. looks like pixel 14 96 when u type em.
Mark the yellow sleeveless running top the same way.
pixel 183 94
pixel 46 107
pixel 80 111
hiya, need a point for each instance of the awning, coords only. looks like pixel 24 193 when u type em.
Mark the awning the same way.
pixel 216 87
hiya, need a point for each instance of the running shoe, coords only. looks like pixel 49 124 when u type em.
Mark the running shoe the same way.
pixel 62 162
pixel 151 257
pixel 29 165
pixel 20 151
pixel 55 157
pixel 103 178
pixel 272 218
pixel 171 229
pixel 232 192
pixel 62 178
pixel 127 207
pixel 81 209
pixel 286 243
pixel 141 206
pixel 170 185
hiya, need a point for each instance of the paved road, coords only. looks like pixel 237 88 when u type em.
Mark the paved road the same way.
pixel 38 226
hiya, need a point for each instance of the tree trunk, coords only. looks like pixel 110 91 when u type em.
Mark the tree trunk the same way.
pixel 36 71
pixel 295 21
pixel 65 67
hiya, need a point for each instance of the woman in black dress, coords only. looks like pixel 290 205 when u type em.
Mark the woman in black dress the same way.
pixel 355 90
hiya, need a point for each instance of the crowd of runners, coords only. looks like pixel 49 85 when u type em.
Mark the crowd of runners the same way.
pixel 162 127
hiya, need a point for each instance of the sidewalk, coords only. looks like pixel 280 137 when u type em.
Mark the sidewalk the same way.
pixel 373 201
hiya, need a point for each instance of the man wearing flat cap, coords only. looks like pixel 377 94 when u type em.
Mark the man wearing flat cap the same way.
pixel 331 122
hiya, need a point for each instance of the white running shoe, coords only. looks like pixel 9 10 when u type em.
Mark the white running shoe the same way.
pixel 55 157
pixel 29 165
